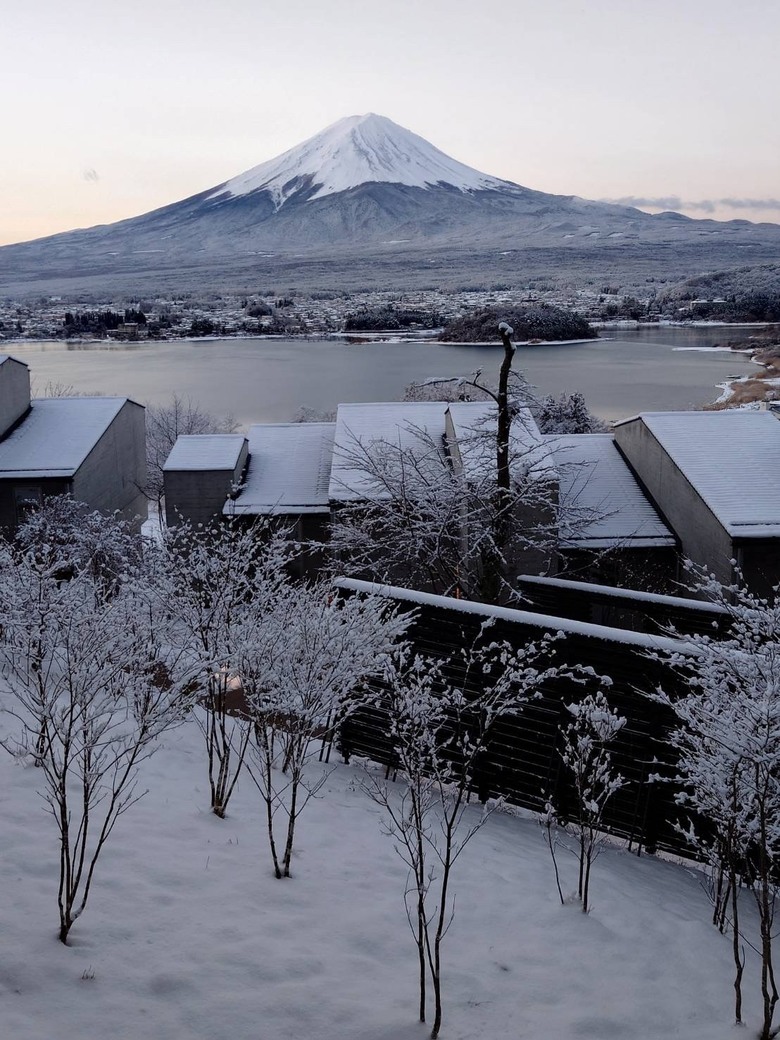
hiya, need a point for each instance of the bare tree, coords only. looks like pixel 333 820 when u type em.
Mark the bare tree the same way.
pixel 460 518
pixel 588 760
pixel 91 688
pixel 164 423
pixel 302 666
pixel 208 581
pixel 441 733
pixel 728 742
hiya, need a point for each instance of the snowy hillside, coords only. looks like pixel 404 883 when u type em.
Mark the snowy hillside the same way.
pixel 187 935
pixel 354 151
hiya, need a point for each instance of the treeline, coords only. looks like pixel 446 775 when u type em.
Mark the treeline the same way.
pixel 97 322
pixel 392 318
pixel 541 321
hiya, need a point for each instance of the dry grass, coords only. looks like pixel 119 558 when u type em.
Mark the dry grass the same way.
pixel 763 386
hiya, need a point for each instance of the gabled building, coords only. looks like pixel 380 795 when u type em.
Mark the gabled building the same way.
pixel 92 448
pixel 715 479
pixel 610 531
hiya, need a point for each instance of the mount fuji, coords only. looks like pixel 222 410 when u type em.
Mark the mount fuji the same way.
pixel 368 189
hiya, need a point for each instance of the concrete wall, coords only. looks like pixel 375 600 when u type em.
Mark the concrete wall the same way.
pixel 538 520
pixel 199 495
pixel 112 475
pixel 14 392
pixel 702 537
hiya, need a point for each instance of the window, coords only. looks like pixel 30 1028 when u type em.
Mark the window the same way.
pixel 25 500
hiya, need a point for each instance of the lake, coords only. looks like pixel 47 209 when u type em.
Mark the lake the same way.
pixel 620 374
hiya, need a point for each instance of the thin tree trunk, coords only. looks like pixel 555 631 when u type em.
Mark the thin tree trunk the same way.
pixel 739 963
pixel 504 420
pixel 262 738
pixel 768 987
pixel 421 922
pixel 765 900
pixel 586 885
pixel 291 821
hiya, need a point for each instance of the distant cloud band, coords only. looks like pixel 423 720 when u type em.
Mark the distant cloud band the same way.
pixel 674 202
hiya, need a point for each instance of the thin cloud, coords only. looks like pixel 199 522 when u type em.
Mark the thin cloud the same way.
pixel 751 203
pixel 674 202
pixel 90 175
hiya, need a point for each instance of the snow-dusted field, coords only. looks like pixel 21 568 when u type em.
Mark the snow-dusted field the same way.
pixel 188 935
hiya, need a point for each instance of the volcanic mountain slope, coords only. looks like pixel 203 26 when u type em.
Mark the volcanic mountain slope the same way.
pixel 362 187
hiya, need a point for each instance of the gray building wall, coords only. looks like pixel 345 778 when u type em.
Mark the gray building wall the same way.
pixel 539 520
pixel 198 495
pixel 702 537
pixel 14 392
pixel 113 474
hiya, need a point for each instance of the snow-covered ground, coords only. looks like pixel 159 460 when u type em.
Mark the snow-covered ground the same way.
pixel 188 936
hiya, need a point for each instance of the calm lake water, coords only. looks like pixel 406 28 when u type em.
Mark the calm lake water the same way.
pixel 256 380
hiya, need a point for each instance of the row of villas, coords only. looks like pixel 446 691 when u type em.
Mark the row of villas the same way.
pixel 662 487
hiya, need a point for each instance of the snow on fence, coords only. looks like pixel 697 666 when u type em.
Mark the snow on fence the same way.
pixel 624 608
pixel 523 763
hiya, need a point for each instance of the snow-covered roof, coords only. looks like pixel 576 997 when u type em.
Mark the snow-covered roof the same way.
pixel 56 436
pixel 288 471
pixel 354 151
pixel 209 451
pixel 602 503
pixel 732 459
pixel 400 424
pixel 474 426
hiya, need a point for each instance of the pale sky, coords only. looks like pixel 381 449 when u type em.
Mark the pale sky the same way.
pixel 110 110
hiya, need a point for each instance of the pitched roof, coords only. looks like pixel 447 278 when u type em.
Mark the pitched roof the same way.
pixel 416 426
pixel 209 451
pixel 603 504
pixel 288 471
pixel 732 459
pixel 56 436
pixel 474 427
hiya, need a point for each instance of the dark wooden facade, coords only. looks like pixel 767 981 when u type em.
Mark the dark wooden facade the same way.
pixel 629 609
pixel 523 762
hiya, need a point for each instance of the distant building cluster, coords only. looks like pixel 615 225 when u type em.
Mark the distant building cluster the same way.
pixel 288 313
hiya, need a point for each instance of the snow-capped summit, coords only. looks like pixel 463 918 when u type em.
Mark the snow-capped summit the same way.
pixel 353 151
